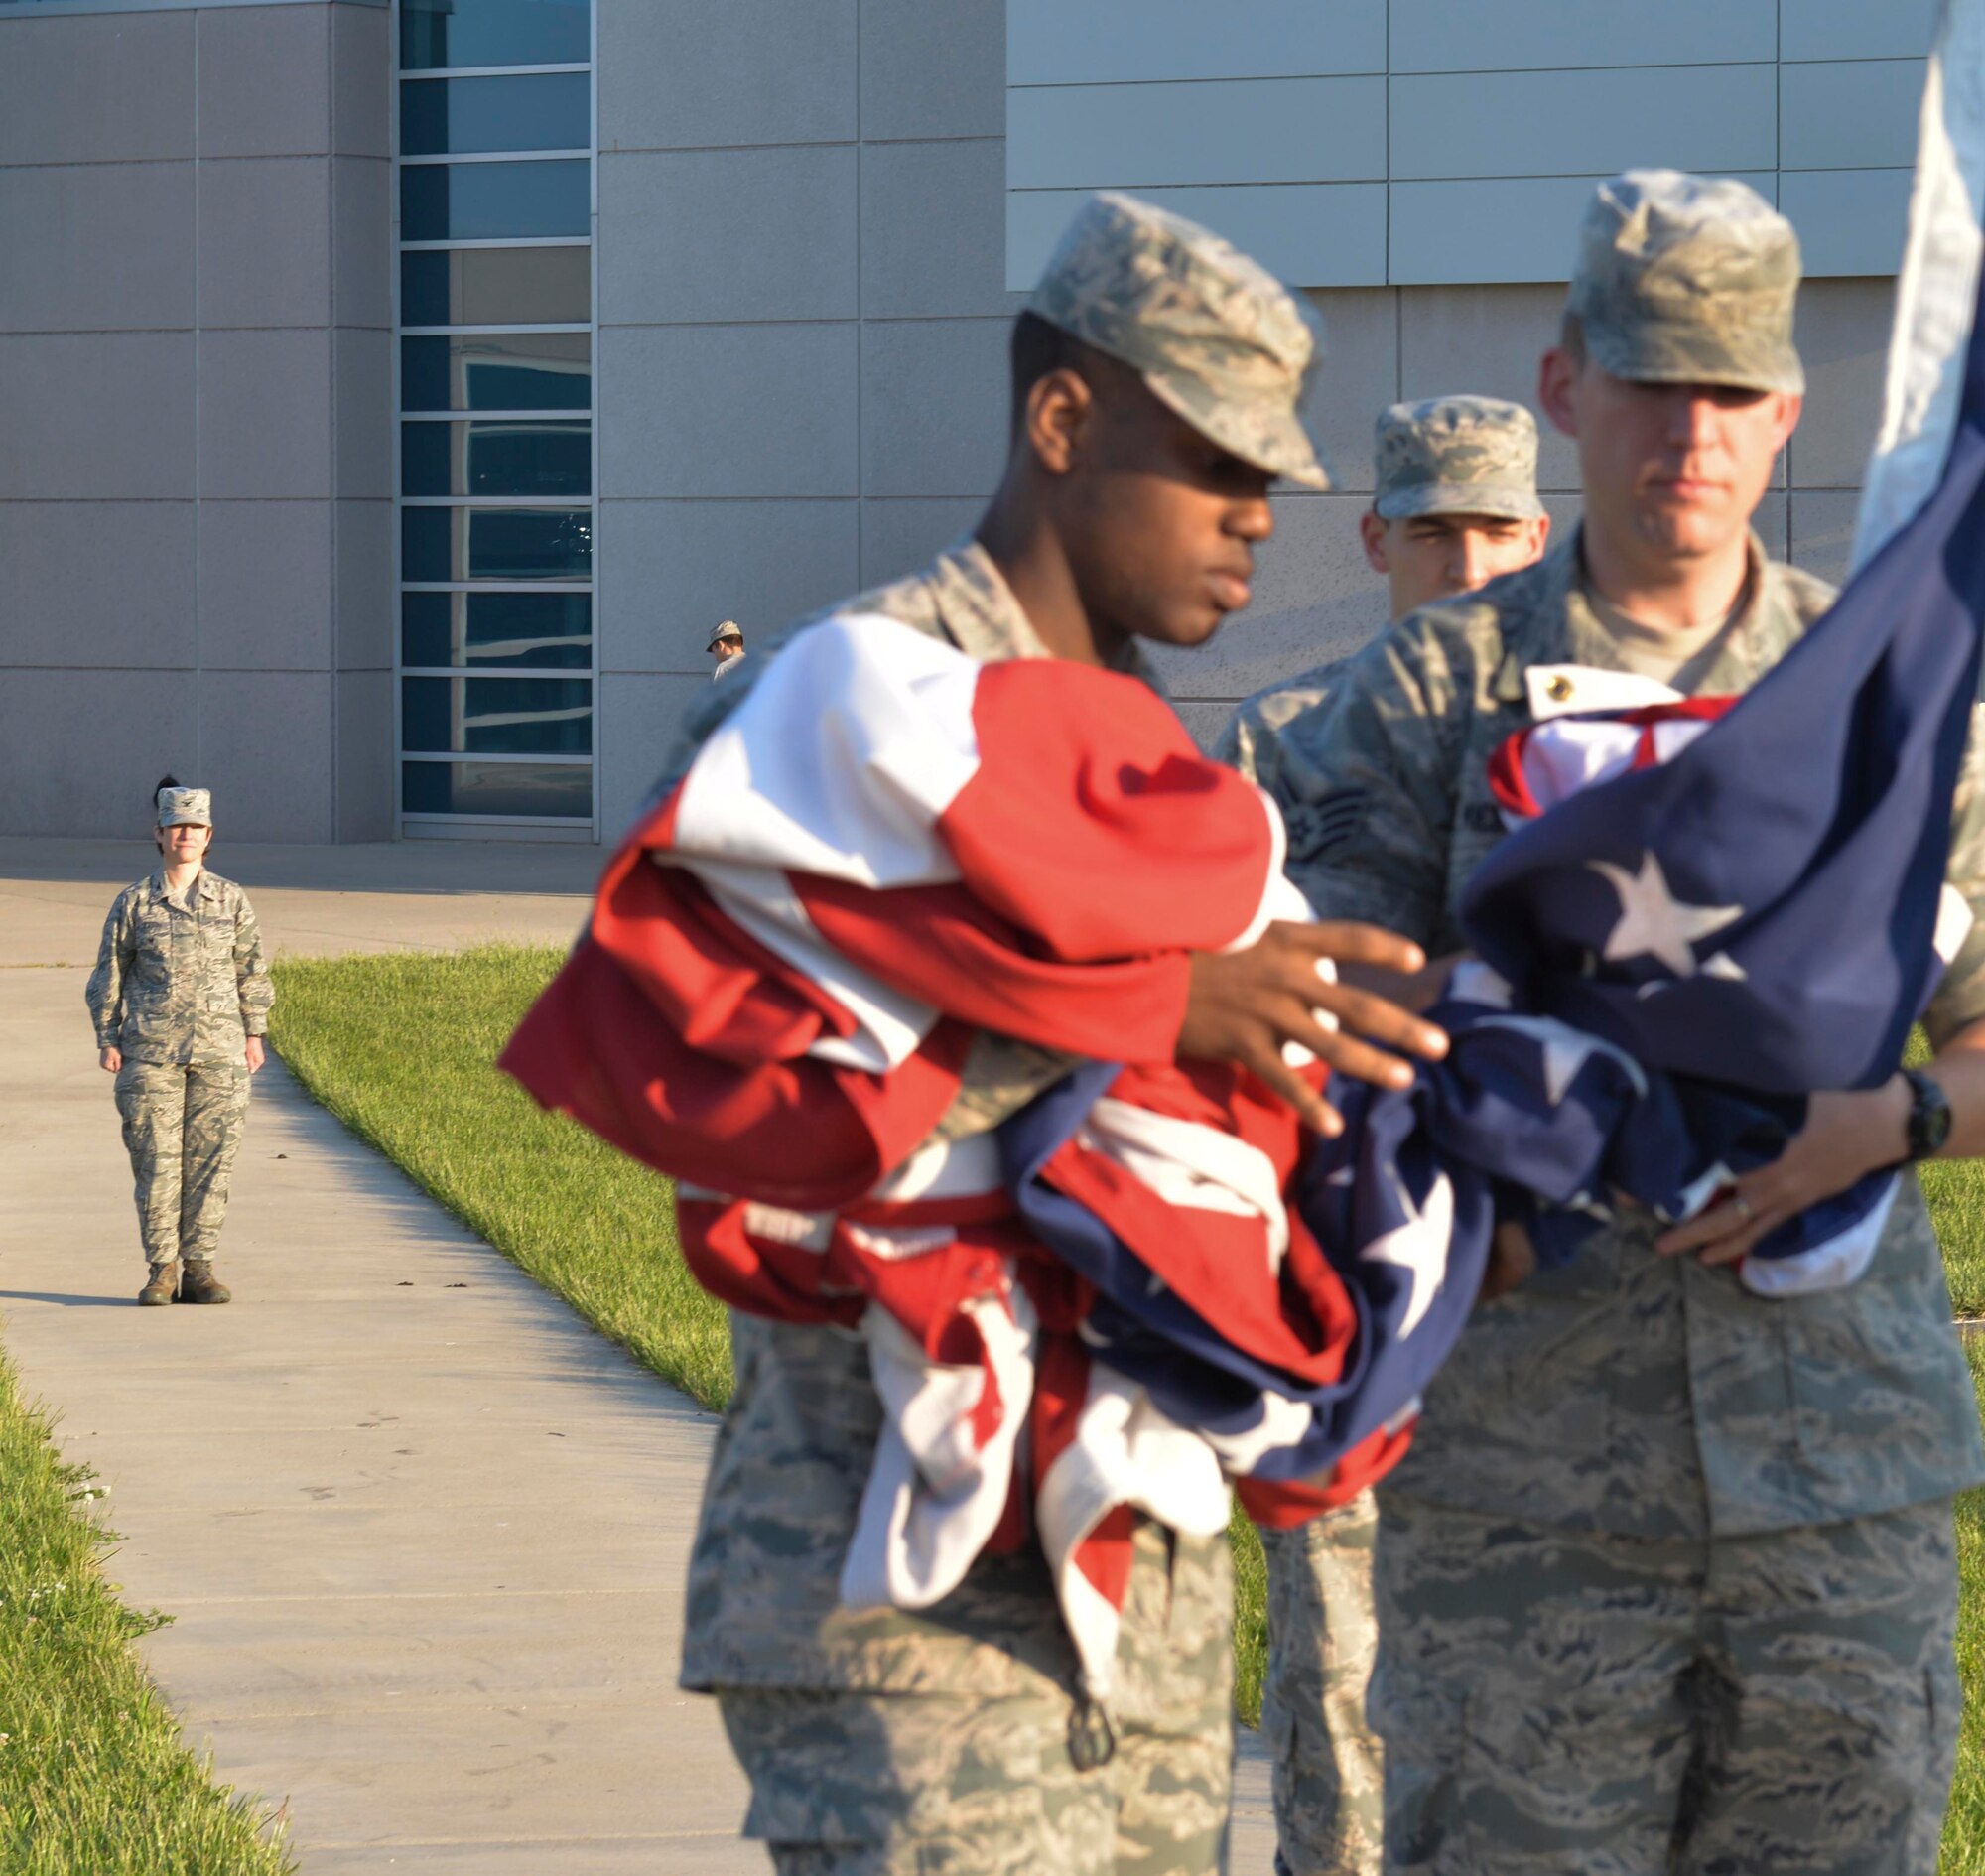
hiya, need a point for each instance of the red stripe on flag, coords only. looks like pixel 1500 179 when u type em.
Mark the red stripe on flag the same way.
pixel 1280 1506
pixel 937 945
pixel 1096 825
pixel 679 1039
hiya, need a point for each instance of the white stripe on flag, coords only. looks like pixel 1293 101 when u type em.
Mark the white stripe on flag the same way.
pixel 853 741
pixel 1125 1452
pixel 1839 1261
pixel 1937 286
pixel 761 901
pixel 935 1492
pixel 943 1169
pixel 1191 1165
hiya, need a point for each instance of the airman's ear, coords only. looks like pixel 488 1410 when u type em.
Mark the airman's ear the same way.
pixel 1371 533
pixel 1791 408
pixel 1060 404
pixel 1557 373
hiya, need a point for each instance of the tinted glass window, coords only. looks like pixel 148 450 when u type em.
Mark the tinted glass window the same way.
pixel 499 630
pixel 495 544
pixel 494 33
pixel 496 459
pixel 497 286
pixel 516 789
pixel 497 371
pixel 439 117
pixel 498 716
pixel 490 201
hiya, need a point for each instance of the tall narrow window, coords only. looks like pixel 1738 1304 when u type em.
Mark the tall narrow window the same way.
pixel 496 655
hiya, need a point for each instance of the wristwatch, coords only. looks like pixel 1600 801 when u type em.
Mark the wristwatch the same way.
pixel 1929 1116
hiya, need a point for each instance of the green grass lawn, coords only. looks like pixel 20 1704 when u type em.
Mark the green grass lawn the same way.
pixel 1956 1195
pixel 400 1049
pixel 93 1779
pixel 1965 1825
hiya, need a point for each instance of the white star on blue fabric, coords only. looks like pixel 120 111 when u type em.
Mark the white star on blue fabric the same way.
pixel 1419 1246
pixel 1565 1051
pixel 1653 922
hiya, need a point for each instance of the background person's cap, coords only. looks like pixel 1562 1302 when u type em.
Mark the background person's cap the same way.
pixel 1688 280
pixel 1216 337
pixel 185 807
pixel 728 629
pixel 1457 456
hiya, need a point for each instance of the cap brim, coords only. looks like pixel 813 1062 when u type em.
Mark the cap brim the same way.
pixel 184 820
pixel 1674 352
pixel 1502 504
pixel 1275 440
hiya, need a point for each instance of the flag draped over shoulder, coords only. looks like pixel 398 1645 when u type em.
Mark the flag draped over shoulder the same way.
pixel 1707 909
pixel 1109 1306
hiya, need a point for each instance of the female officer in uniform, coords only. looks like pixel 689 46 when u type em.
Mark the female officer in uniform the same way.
pixel 180 997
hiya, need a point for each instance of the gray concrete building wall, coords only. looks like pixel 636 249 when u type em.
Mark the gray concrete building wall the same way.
pixel 803 317
pixel 802 322
pixel 195 499
pixel 804 233
pixel 1447 142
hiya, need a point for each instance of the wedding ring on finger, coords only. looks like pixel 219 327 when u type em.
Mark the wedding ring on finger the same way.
pixel 1742 1207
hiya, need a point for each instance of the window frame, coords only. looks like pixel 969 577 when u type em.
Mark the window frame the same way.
pixel 426 825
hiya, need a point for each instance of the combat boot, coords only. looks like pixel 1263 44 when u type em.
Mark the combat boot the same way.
pixel 199 1284
pixel 163 1284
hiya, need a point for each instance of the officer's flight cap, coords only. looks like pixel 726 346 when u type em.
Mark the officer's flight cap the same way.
pixel 185 807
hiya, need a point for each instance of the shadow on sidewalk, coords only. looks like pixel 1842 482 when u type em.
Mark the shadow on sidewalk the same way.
pixel 66 1302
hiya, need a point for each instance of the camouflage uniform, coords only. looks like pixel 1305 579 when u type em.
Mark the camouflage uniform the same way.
pixel 1667 1580
pixel 993 1763
pixel 1460 455
pixel 1328 1768
pixel 1442 455
pixel 180 986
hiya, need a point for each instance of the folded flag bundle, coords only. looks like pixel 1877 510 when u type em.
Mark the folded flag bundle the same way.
pixel 1706 910
pixel 1106 1307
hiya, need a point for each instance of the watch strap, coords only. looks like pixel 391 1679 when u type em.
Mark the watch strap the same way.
pixel 1929 1116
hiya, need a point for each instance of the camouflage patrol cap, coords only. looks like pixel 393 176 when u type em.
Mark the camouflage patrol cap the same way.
pixel 1457 456
pixel 185 807
pixel 729 628
pixel 1216 337
pixel 1688 280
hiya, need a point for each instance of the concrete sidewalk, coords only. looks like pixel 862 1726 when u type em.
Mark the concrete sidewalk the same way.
pixel 422 1531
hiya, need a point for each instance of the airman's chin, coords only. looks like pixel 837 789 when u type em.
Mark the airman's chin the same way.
pixel 1187 631
pixel 1689 531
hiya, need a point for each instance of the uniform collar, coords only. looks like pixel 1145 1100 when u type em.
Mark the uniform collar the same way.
pixel 981 617
pixel 1562 628
pixel 204 886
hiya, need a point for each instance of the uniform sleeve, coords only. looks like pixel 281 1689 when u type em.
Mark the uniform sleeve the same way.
pixel 1234 746
pixel 251 971
pixel 105 993
pixel 1367 787
pixel 1961 997
pixel 1253 739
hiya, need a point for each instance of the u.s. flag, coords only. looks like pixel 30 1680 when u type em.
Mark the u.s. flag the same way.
pixel 1108 1307
pixel 1708 909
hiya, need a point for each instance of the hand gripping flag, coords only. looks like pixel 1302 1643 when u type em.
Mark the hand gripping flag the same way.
pixel 1710 908
pixel 886 850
